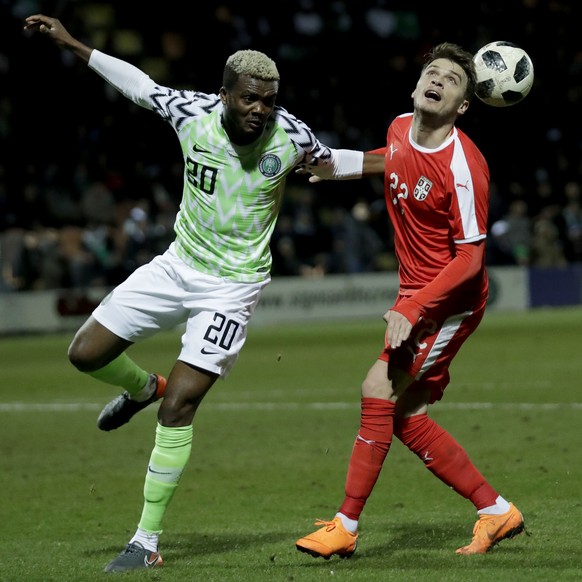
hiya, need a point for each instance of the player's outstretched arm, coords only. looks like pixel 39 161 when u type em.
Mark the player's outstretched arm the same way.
pixel 345 165
pixel 53 28
pixel 127 79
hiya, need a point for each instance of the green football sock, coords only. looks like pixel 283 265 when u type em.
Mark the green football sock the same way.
pixel 124 372
pixel 168 459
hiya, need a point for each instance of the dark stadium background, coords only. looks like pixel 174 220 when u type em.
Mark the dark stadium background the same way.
pixel 347 69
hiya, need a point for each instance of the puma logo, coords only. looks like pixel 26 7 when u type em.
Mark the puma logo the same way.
pixel 393 150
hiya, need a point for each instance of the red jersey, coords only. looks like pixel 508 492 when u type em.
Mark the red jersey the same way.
pixel 437 199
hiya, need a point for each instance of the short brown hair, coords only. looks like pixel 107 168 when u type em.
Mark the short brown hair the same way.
pixel 458 55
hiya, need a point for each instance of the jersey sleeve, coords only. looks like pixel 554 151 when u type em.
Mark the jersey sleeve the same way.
pixel 317 158
pixel 130 81
pixel 174 106
pixel 469 185
pixel 310 151
pixel 468 262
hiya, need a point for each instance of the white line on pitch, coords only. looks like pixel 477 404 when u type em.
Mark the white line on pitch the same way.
pixel 91 406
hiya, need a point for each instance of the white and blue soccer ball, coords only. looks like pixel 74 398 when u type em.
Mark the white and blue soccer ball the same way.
pixel 505 74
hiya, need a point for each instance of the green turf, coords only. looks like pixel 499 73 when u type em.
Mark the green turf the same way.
pixel 271 444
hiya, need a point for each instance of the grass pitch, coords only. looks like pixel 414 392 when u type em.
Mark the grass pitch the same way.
pixel 270 451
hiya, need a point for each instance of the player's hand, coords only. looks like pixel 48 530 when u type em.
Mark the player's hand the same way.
pixel 304 170
pixel 398 328
pixel 52 27
pixel 42 23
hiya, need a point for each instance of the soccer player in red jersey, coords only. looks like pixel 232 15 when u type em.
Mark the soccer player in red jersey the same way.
pixel 436 185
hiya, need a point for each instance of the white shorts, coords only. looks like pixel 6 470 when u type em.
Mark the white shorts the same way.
pixel 166 293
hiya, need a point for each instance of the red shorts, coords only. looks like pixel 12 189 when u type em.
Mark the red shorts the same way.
pixel 433 343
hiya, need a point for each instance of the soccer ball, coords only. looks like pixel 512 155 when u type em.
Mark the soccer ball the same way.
pixel 505 73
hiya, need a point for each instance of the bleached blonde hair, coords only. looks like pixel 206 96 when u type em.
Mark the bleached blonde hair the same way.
pixel 255 64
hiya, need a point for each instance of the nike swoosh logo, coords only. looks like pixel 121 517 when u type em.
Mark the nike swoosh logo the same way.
pixel 152 561
pixel 208 352
pixel 197 148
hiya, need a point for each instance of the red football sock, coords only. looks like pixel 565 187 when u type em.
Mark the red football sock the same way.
pixel 370 449
pixel 445 458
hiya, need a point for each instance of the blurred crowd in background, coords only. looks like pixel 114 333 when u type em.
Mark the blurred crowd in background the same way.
pixel 90 183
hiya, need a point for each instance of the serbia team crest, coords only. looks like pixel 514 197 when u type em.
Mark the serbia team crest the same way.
pixel 422 188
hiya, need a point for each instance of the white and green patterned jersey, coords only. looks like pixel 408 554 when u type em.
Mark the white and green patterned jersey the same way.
pixel 232 194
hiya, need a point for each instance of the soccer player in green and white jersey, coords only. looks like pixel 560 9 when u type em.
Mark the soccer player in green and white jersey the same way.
pixel 238 147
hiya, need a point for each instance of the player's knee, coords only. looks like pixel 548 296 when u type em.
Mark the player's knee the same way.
pixel 372 388
pixel 80 357
pixel 169 414
pixel 75 357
